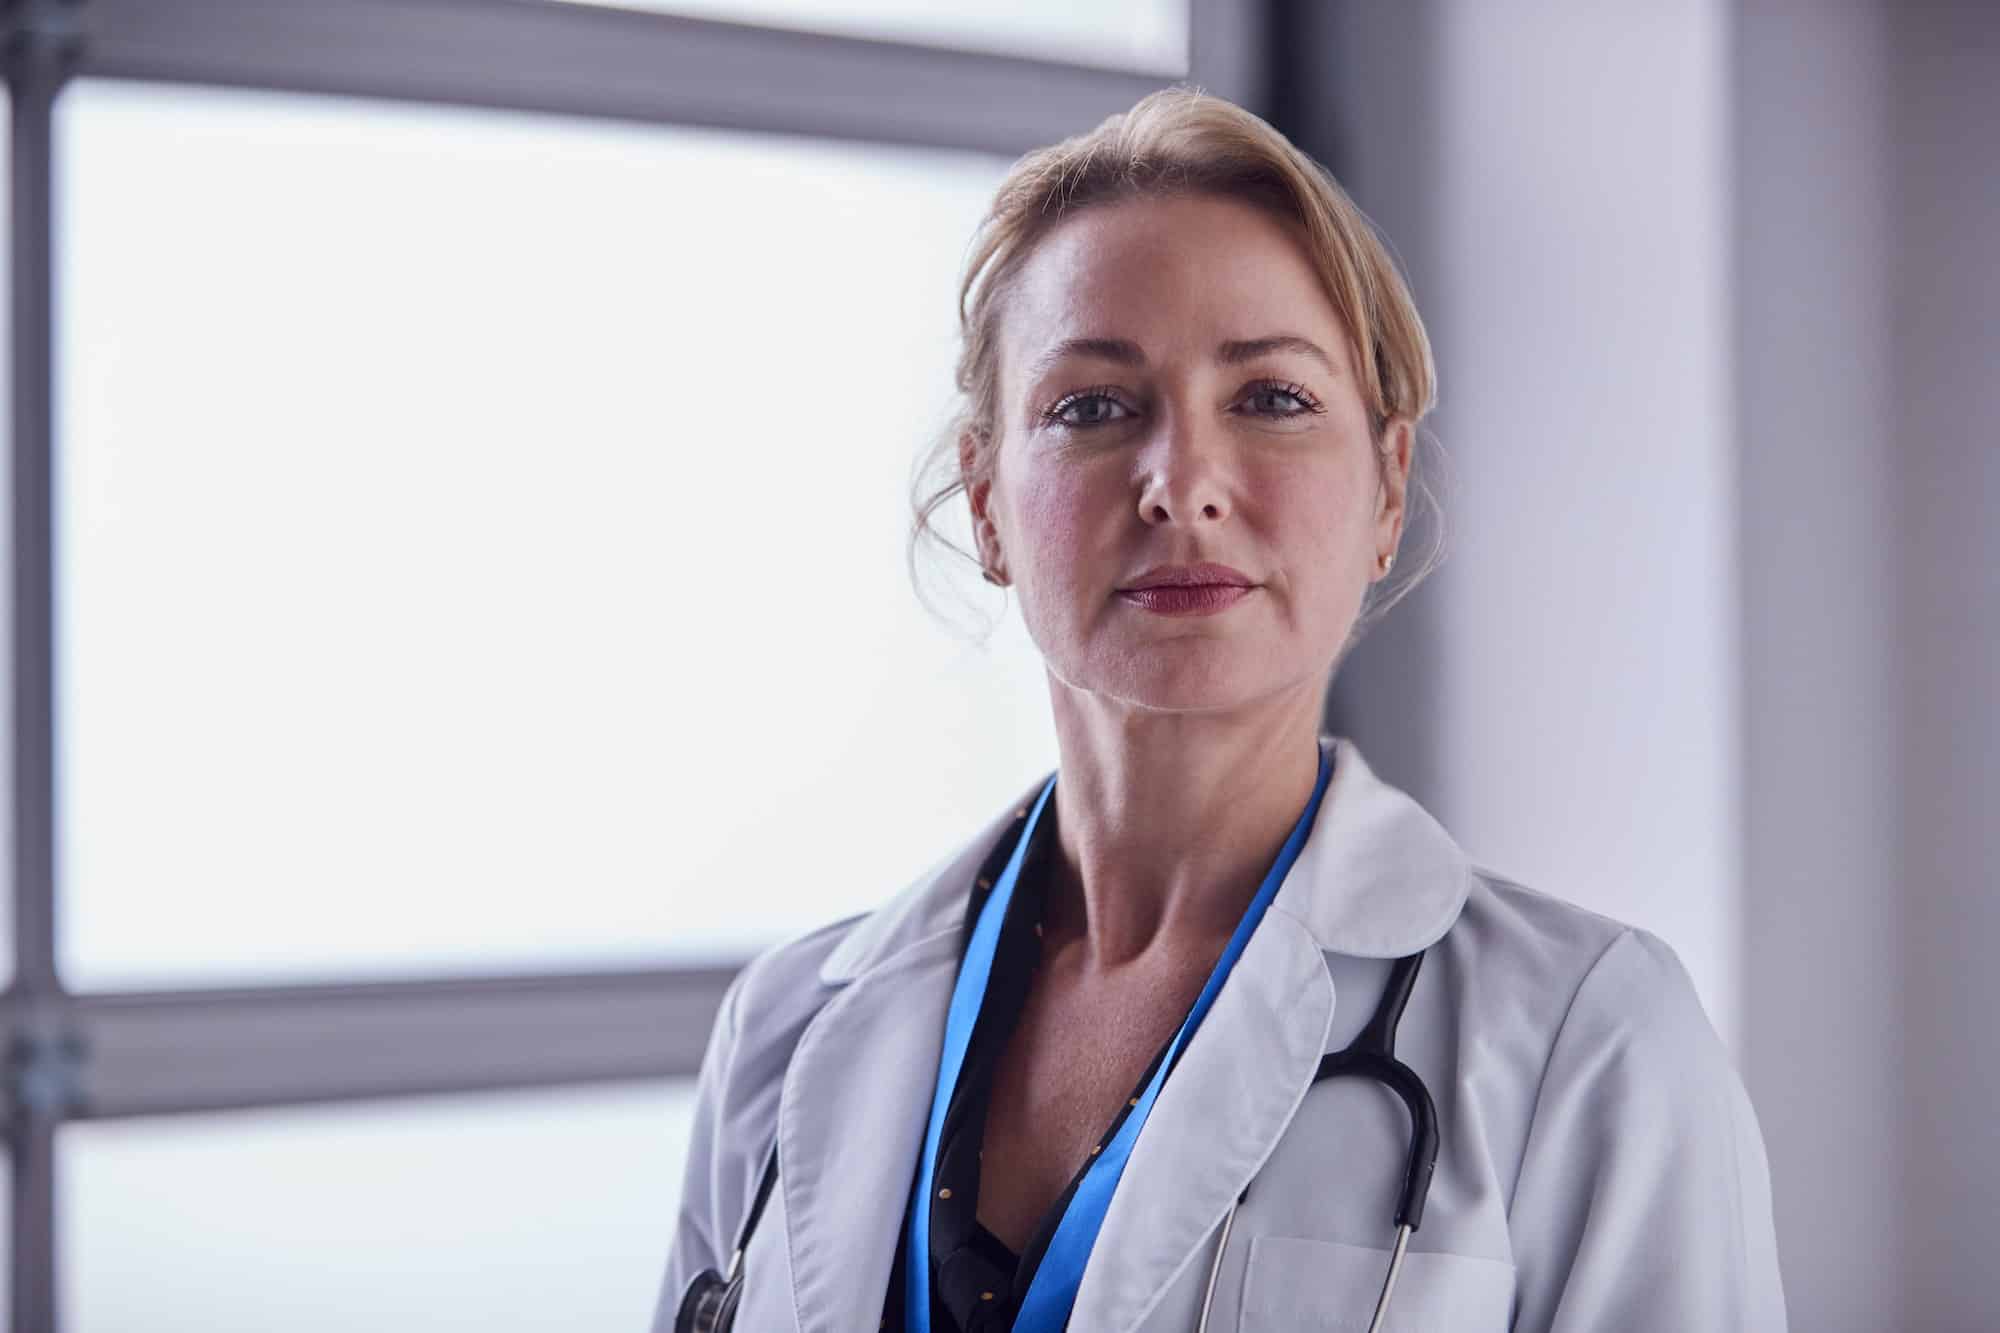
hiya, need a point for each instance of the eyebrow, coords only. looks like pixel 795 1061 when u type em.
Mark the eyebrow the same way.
pixel 1128 353
pixel 1235 353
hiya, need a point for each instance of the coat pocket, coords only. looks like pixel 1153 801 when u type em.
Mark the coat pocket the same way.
pixel 1295 1283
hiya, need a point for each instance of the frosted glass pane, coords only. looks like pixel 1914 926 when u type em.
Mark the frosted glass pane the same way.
pixel 1141 35
pixel 498 1213
pixel 481 540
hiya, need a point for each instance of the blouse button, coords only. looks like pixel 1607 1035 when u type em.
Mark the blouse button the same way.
pixel 945 1193
pixel 985 1295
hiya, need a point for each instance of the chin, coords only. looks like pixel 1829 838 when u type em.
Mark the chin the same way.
pixel 1191 683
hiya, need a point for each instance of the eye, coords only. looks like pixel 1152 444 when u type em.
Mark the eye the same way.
pixel 1275 391
pixel 1096 401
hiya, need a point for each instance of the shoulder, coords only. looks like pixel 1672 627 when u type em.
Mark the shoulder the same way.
pixel 1580 1021
pixel 1503 915
pixel 1621 1122
pixel 1600 1061
pixel 1578 968
pixel 776 994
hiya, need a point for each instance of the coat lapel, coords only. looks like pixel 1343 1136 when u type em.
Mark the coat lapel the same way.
pixel 1217 1119
pixel 850 1123
pixel 857 1094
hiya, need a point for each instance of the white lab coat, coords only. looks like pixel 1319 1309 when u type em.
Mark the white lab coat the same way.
pixel 1599 1164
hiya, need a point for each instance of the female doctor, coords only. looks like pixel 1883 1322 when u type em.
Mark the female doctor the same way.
pixel 1162 1045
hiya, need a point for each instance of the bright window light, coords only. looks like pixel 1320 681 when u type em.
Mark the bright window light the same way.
pixel 481 540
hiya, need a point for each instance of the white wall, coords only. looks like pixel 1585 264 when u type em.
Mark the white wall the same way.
pixel 1590 697
pixel 1561 197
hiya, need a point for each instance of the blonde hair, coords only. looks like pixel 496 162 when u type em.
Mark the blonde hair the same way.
pixel 1181 140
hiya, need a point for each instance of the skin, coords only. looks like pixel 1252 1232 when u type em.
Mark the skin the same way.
pixel 1188 744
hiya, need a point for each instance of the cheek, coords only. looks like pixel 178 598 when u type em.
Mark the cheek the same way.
pixel 1325 529
pixel 1064 525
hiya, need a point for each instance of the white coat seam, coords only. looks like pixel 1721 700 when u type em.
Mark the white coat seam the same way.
pixel 732 1015
pixel 1548 1061
pixel 785 1084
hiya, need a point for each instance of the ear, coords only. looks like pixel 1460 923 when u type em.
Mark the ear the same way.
pixel 979 495
pixel 1395 453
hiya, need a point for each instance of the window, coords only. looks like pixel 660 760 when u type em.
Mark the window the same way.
pixel 522 1211
pixel 438 422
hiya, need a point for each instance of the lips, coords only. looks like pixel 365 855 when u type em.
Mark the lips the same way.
pixel 1204 575
pixel 1188 599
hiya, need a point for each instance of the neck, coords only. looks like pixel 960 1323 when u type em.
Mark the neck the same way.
pixel 1168 823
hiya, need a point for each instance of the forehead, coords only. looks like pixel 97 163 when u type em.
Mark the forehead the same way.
pixel 1175 274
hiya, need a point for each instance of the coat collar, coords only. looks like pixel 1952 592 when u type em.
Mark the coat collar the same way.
pixel 1377 878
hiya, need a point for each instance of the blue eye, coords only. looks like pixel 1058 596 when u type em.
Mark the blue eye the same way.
pixel 1307 404
pixel 1096 417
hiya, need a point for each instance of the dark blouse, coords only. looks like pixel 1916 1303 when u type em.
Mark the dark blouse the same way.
pixel 977 1282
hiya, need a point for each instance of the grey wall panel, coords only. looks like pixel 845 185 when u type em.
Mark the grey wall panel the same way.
pixel 1942 447
pixel 1821 915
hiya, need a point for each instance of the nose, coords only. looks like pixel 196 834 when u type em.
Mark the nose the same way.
pixel 1184 471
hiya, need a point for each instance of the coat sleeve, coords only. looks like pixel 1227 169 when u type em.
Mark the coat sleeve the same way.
pixel 713 1195
pixel 1644 1200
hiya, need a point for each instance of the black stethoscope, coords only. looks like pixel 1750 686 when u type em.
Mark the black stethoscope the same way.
pixel 1372 1054
pixel 709 1306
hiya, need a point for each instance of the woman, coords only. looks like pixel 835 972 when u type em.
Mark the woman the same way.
pixel 1067 1077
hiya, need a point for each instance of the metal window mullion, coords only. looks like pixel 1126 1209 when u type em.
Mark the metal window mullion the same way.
pixel 40 43
pixel 33 78
pixel 600 61
pixel 189 1051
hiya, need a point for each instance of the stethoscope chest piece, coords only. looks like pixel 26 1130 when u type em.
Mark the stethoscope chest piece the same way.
pixel 710 1303
pixel 709 1306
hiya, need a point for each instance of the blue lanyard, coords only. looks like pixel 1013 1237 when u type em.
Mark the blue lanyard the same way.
pixel 1050 1296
